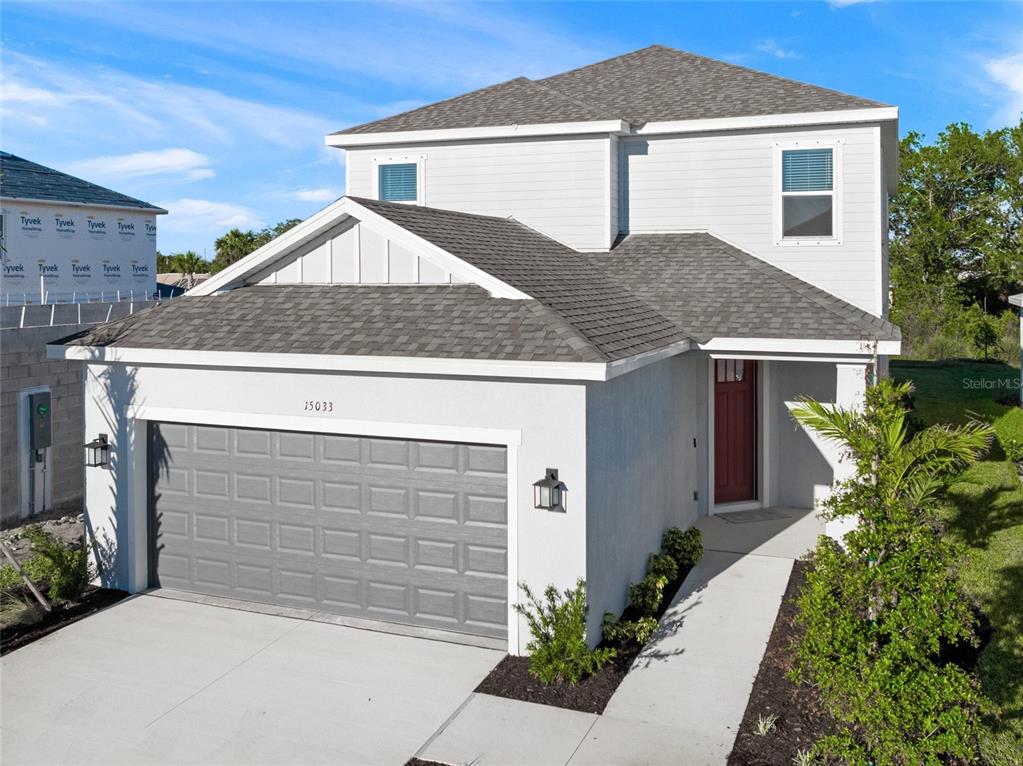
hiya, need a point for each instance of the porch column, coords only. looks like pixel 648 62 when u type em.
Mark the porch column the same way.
pixel 850 390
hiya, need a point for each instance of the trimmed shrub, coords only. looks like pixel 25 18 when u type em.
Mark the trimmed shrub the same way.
pixel 662 565
pixel 70 573
pixel 616 631
pixel 879 609
pixel 557 623
pixel 646 596
pixel 685 546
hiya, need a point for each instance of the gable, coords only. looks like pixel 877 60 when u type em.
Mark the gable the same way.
pixel 354 253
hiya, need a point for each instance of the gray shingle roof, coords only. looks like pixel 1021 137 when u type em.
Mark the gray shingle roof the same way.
pixel 652 84
pixel 570 283
pixel 714 290
pixel 24 179
pixel 517 102
pixel 445 321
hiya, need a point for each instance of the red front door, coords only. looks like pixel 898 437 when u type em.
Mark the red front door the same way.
pixel 735 430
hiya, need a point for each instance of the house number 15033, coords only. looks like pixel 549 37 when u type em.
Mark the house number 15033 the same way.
pixel 312 405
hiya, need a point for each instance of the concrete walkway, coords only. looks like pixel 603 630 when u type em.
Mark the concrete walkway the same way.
pixel 685 697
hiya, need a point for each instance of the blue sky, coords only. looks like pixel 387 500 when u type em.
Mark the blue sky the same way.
pixel 217 111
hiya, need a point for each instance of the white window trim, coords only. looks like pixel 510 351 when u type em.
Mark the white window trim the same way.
pixel 835 144
pixel 419 161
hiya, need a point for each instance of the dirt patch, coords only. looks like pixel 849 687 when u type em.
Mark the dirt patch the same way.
pixel 511 678
pixel 66 526
pixel 16 636
pixel 802 719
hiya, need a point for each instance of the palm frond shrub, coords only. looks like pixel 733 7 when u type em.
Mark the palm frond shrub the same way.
pixel 70 571
pixel 879 609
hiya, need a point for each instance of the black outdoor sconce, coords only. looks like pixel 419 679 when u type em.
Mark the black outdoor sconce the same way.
pixel 549 492
pixel 97 452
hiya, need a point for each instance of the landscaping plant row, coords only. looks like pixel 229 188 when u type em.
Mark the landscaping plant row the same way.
pixel 562 670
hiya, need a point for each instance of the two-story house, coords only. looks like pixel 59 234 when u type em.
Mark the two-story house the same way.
pixel 624 273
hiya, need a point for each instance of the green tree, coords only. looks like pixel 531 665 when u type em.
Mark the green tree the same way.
pixel 189 262
pixel 955 232
pixel 236 244
pixel 879 610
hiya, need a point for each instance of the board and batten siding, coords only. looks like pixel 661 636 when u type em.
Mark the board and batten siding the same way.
pixel 354 254
pixel 558 186
pixel 725 183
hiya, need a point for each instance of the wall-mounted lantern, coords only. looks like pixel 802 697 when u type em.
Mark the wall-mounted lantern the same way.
pixel 549 492
pixel 97 452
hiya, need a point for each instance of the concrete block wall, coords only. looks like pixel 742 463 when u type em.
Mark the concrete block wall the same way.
pixel 24 365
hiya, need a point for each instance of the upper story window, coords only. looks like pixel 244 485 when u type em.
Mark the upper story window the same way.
pixel 398 182
pixel 808 195
pixel 809 210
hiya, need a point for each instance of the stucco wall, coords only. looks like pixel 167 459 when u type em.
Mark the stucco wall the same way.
pixel 546 420
pixel 800 473
pixel 642 471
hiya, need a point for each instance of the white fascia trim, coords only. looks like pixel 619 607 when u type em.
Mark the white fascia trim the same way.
pixel 330 217
pixel 349 140
pixel 844 116
pixel 801 346
pixel 1016 300
pixel 54 203
pixel 402 365
pixel 481 368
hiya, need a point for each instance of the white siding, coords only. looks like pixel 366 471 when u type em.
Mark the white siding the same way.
pixel 354 254
pixel 558 186
pixel 724 183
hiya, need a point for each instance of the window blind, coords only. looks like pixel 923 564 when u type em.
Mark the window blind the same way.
pixel 806 170
pixel 398 182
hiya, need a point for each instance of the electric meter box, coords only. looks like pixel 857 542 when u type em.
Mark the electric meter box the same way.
pixel 39 406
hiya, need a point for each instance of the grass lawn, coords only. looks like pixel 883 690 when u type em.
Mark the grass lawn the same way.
pixel 985 511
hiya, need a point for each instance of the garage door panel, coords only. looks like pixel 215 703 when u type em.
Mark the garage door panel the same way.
pixel 404 531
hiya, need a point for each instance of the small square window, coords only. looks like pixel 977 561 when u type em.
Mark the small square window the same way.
pixel 398 183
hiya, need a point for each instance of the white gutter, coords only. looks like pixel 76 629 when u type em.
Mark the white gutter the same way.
pixel 350 140
pixel 844 116
pixel 801 347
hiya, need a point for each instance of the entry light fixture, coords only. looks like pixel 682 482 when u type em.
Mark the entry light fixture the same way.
pixel 549 492
pixel 97 452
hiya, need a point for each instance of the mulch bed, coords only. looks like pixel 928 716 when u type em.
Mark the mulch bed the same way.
pixel 95 599
pixel 511 678
pixel 802 719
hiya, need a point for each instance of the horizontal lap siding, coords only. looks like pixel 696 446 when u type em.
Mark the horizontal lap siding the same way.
pixel 725 184
pixel 556 186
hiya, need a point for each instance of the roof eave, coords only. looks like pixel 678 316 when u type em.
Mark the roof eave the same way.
pixel 591 127
pixel 146 207
pixel 792 119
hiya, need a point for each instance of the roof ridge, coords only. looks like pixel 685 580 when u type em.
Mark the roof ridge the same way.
pixel 440 210
pixel 579 102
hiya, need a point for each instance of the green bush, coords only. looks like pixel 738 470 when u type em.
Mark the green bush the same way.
pixel 38 568
pixel 646 596
pixel 71 572
pixel 616 631
pixel 878 610
pixel 685 546
pixel 662 565
pixel 557 623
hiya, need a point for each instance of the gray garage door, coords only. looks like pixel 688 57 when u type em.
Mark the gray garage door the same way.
pixel 404 531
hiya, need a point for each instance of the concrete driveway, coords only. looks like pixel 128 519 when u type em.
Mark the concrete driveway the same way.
pixel 155 680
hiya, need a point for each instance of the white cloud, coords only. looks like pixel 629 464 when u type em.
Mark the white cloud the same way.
pixel 844 3
pixel 147 108
pixel 200 217
pixel 323 194
pixel 772 48
pixel 1006 73
pixel 183 163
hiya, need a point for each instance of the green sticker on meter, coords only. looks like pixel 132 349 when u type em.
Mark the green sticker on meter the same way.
pixel 43 409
